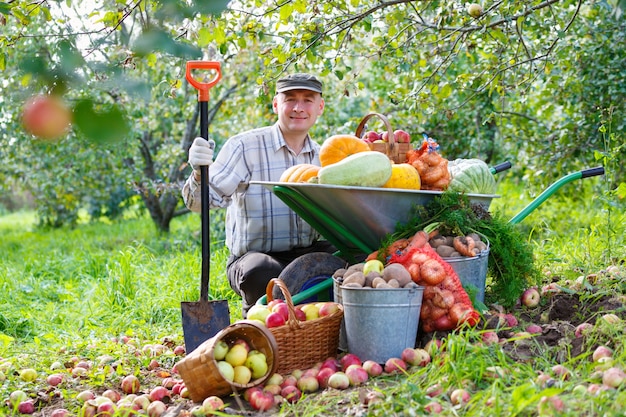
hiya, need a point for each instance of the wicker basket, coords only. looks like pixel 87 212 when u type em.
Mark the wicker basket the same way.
pixel 394 150
pixel 302 344
pixel 199 369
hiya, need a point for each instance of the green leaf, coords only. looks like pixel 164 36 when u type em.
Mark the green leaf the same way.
pixel 106 124
pixel 5 8
pixel 158 40
pixel 214 7
pixel 620 191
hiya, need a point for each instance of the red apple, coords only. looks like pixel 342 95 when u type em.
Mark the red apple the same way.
pixel 511 320
pixel 582 329
pixel 112 395
pixel 249 391
pixel 54 379
pixel 60 412
pixel 289 380
pixel 85 395
pixel 328 308
pixel 551 405
pixel 561 371
pixel 273 389
pixel 275 319
pixel 300 315
pixel 530 297
pixel 26 407
pixel 393 365
pixel 356 374
pixel 179 350
pixel 371 136
pixel 433 407
pixel 275 301
pixel 212 403
pixel 349 359
pixel 613 377
pixel 459 396
pixel 308 384
pixel 602 352
pixel 291 394
pixel 130 384
pixel 402 136
pixel 534 329
pixel 261 400
pixel 434 390
pixel 490 338
pixel 46 117
pixel 281 308
pixel 332 363
pixel 156 409
pixel 323 375
pixel 159 394
pixel 372 368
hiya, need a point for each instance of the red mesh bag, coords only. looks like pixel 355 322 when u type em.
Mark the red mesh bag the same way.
pixel 445 303
pixel 432 167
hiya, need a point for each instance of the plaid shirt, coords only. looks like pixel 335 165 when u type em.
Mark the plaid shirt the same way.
pixel 256 220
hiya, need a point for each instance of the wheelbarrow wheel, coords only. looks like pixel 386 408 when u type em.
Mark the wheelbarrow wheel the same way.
pixel 306 269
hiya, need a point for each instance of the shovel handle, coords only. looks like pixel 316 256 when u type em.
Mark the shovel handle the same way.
pixel 203 87
pixel 203 108
pixel 500 167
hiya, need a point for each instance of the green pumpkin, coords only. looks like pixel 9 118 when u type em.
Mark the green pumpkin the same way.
pixel 471 176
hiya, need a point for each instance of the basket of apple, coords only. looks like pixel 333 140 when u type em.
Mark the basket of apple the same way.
pixel 393 143
pixel 305 334
pixel 240 356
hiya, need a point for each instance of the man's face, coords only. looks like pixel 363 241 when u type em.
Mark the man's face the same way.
pixel 297 110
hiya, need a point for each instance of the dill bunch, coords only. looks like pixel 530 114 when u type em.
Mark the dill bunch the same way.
pixel 511 264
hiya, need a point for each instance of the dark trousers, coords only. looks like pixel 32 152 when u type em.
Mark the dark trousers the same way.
pixel 249 274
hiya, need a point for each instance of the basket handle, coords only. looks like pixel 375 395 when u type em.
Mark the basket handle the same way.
pixel 391 139
pixel 293 320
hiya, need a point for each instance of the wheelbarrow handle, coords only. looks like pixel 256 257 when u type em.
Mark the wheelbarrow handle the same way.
pixel 500 167
pixel 591 172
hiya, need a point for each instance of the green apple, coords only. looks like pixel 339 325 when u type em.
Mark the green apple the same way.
pixel 258 312
pixel 237 355
pixel 258 365
pixel 220 350
pixel 227 370
pixel 373 265
pixel 311 311
pixel 475 10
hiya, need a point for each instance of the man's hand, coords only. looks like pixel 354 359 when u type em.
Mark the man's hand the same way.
pixel 201 153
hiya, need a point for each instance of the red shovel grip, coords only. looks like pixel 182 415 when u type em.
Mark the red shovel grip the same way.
pixel 203 87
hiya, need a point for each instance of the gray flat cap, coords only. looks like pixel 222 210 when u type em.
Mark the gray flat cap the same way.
pixel 299 81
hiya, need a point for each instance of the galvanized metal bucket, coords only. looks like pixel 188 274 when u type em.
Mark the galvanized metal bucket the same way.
pixel 381 323
pixel 472 271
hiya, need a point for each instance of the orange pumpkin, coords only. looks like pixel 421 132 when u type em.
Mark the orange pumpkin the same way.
pixel 338 147
pixel 299 173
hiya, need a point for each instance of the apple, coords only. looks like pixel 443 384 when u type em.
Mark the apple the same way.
pixel 459 396
pixel 169 382
pixel 530 297
pixel 159 394
pixel 177 388
pixel 339 380
pixel 602 352
pixel 300 315
pixel 242 374
pixel 373 265
pixel 402 136
pixel 349 359
pixel 490 338
pixel 156 409
pixel 237 355
pixel 227 370
pixel 243 343
pixel 291 393
pixel 297 373
pixel 511 320
pixel 393 365
pixel 272 389
pixel 582 329
pixel 28 375
pixel 323 375
pixel 433 407
pixel 46 117
pixel 26 407
pixel 311 372
pixel 328 308
pixel 561 371
pixel 261 401
pixel 534 329
pixel 475 10
pixel 212 403
pixel 89 409
pixel 550 405
pixel 60 412
pixel 54 379
pixel 308 384
pixel 220 349
pixel 112 395
pixel 275 301
pixel 257 363
pixel 332 363
pixel 106 408
pixel 372 368
pixel 356 374
pixel 275 378
pixel 130 384
pixel 613 377
pixel 179 350
pixel 371 136
pixel 249 391
pixel 610 318
pixel 85 395
pixel 275 319
pixel 311 311
pixel 258 312
pixel 283 309
pixel 289 380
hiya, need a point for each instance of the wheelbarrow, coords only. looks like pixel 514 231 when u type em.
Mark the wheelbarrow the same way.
pixel 356 219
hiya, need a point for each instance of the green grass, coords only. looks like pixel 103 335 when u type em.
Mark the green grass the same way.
pixel 68 293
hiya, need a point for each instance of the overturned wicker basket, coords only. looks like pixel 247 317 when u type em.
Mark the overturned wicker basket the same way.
pixel 302 344
pixel 394 150
pixel 199 368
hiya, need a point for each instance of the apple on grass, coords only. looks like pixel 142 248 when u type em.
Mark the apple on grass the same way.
pixel 372 368
pixel 393 365
pixel 308 384
pixel 130 384
pixel 261 400
pixel 339 380
pixel 323 375
pixel 291 393
pixel 530 297
pixel 349 359
pixel 356 374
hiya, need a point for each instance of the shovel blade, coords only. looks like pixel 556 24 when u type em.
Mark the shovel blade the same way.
pixel 202 320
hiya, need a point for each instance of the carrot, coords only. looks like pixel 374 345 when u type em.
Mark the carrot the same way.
pixel 372 256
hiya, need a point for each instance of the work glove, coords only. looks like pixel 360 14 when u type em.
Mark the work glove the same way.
pixel 201 153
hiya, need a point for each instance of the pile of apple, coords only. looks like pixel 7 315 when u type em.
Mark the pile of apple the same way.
pixel 239 363
pixel 399 135
pixel 334 373
pixel 276 312
pixel 374 274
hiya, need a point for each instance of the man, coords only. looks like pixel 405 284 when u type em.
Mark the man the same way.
pixel 262 234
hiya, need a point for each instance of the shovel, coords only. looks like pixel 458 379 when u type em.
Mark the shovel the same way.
pixel 203 319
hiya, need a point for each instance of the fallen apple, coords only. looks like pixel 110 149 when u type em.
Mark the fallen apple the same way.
pixel 291 393
pixel 28 375
pixel 26 407
pixel 357 375
pixel 308 384
pixel 261 400
pixel 323 375
pixel 393 365
pixel 212 403
pixel 54 379
pixel 372 368
pixel 613 377
pixel 339 380
pixel 602 352
pixel 349 359
pixel 130 384
pixel 459 396
pixel 156 409
pixel 530 297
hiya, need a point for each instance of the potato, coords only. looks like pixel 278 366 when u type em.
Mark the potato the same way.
pixel 475 236
pixel 437 240
pixel 356 277
pixel 398 272
pixel 481 245
pixel 339 273
pixel 378 282
pixel 355 267
pixel 393 283
pixel 445 251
